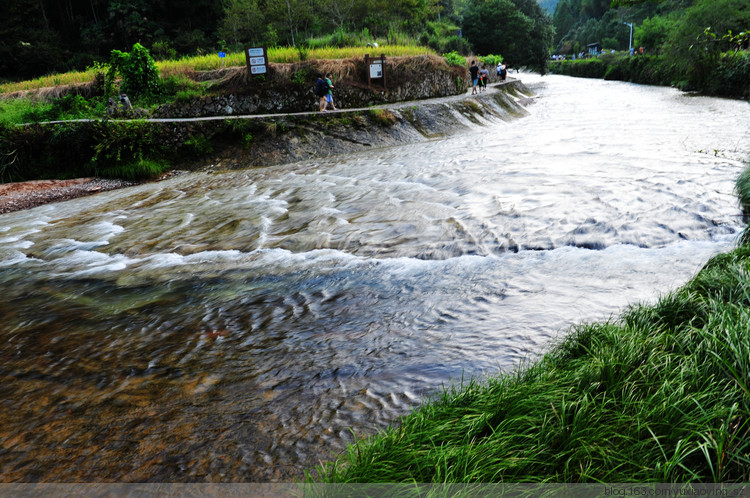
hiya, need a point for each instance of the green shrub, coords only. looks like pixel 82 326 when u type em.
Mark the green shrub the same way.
pixel 140 77
pixel 182 88
pixel 162 50
pixel 732 75
pixel 199 145
pixel 457 44
pixel 491 60
pixel 126 148
pixel 303 76
pixel 74 107
pixel 9 163
pixel 383 117
pixel 247 140
pixel 455 59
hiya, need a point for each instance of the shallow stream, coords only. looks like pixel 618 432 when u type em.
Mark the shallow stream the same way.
pixel 242 326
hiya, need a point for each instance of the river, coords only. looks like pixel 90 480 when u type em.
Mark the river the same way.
pixel 245 325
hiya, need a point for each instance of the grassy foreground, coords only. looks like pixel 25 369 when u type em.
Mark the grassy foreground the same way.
pixel 659 395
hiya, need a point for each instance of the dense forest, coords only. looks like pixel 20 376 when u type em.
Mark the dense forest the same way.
pixel 690 44
pixel 658 25
pixel 40 37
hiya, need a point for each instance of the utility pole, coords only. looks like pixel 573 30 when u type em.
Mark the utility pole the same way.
pixel 630 43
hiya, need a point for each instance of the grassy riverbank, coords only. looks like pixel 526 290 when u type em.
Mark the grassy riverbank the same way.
pixel 727 76
pixel 661 394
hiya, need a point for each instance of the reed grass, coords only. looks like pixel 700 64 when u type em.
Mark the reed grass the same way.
pixel 69 78
pixel 137 169
pixel 661 394
pixel 211 62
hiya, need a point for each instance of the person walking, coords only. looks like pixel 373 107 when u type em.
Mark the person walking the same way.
pixel 329 95
pixel 474 71
pixel 484 76
pixel 321 90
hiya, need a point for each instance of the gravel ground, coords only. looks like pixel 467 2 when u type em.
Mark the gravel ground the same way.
pixel 25 195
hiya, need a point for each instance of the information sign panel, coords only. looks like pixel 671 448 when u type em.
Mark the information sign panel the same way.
pixel 376 70
pixel 257 60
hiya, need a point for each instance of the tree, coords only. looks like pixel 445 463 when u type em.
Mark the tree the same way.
pixel 517 29
pixel 697 42
pixel 243 22
pixel 339 12
pixel 28 45
pixel 496 27
pixel 654 32
pixel 536 48
pixel 291 16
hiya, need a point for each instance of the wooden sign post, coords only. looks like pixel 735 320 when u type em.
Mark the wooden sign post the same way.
pixel 375 69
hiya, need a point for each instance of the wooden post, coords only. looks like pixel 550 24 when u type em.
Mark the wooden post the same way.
pixel 367 70
pixel 382 66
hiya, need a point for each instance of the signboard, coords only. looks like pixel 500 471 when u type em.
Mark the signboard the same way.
pixel 376 70
pixel 222 54
pixel 257 60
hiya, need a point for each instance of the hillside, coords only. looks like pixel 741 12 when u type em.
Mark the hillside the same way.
pixel 549 5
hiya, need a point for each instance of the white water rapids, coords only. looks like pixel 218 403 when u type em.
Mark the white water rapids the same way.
pixel 233 326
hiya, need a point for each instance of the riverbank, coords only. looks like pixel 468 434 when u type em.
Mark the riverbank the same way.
pixel 224 143
pixel 26 195
pixel 659 394
pixel 730 75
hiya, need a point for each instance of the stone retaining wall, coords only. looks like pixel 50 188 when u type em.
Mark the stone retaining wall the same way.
pixel 89 148
pixel 276 95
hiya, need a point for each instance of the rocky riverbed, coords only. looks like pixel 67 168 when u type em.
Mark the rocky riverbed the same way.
pixel 25 195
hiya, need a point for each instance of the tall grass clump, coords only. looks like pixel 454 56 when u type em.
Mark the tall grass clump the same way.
pixel 661 394
pixel 135 169
pixel 742 188
pixel 129 150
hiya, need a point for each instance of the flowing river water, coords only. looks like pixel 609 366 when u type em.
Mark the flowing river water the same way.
pixel 243 326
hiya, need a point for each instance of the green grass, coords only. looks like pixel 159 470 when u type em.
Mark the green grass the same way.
pixel 14 111
pixel 661 394
pixel 24 110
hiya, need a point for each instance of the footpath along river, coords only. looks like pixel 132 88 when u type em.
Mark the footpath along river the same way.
pixel 233 327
